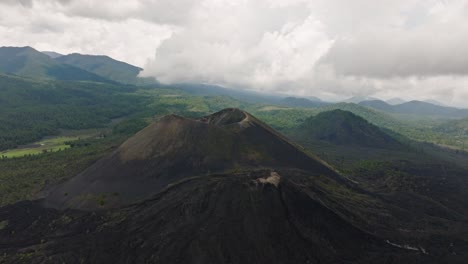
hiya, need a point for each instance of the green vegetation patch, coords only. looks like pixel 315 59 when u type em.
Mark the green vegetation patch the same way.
pixel 51 144
pixel 31 110
pixel 26 177
pixel 3 224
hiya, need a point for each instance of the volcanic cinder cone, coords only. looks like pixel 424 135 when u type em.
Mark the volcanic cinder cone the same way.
pixel 175 148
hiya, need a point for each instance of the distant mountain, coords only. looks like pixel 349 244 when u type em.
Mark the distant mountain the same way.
pixel 216 90
pixel 345 128
pixel 395 101
pixel 435 102
pixel 52 54
pixel 418 108
pixel 358 99
pixel 248 96
pixel 314 98
pixel 302 102
pixel 28 62
pixel 105 66
pixel 378 104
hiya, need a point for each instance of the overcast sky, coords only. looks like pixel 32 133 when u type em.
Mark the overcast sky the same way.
pixel 333 49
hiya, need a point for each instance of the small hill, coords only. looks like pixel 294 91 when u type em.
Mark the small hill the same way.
pixel 176 147
pixel 345 128
pixel 395 101
pixel 376 117
pixel 104 66
pixel 28 62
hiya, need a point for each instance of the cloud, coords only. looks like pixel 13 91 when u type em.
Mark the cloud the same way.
pixel 427 49
pixel 258 44
pixel 45 27
pixel 157 11
pixel 27 3
pixel 328 48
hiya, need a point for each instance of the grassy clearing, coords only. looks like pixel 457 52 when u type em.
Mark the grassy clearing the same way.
pixel 50 144
pixel 273 107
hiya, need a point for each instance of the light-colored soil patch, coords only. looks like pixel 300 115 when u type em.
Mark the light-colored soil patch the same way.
pixel 273 179
pixel 272 108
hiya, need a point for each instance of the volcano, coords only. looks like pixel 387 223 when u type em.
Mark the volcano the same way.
pixel 174 148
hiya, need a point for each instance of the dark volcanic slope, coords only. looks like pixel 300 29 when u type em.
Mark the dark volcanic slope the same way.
pixel 176 147
pixel 257 217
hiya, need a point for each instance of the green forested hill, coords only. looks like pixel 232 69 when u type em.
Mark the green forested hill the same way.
pixel 376 117
pixel 104 66
pixel 289 117
pixel 345 128
pixel 31 109
pixel 28 62
pixel 456 127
